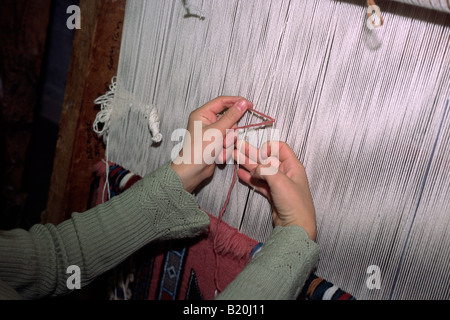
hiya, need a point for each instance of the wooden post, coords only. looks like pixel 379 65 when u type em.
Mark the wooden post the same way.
pixel 95 57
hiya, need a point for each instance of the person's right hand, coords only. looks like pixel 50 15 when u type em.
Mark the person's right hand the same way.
pixel 193 172
pixel 276 173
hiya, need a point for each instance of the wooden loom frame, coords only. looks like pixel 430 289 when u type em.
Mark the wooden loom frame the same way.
pixel 95 57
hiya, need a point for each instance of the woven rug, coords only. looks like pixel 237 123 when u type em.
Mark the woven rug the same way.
pixel 185 269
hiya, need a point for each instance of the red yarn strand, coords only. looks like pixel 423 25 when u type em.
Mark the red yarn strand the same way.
pixel 268 122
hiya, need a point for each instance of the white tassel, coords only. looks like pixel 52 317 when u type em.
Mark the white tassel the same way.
pixel 151 113
pixel 104 115
pixel 102 120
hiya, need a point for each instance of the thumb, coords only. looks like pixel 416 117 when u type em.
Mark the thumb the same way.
pixel 232 116
pixel 270 172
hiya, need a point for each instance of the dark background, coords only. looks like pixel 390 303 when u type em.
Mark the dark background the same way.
pixel 35 51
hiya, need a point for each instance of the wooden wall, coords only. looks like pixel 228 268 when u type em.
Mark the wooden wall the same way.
pixel 94 62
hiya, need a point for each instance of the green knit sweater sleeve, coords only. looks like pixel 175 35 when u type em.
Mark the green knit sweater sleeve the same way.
pixel 35 262
pixel 279 270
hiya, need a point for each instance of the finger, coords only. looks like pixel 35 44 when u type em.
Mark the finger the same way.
pixel 278 149
pixel 219 104
pixel 230 139
pixel 291 164
pixel 259 186
pixel 267 155
pixel 232 116
pixel 248 150
pixel 270 149
pixel 225 155
pixel 244 161
pixel 285 153
pixel 268 170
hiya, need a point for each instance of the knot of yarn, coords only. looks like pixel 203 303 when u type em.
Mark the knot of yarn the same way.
pixel 151 113
pixel 103 119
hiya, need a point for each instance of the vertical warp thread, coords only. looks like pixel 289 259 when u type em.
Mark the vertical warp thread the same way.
pixel 353 104
pixel 400 264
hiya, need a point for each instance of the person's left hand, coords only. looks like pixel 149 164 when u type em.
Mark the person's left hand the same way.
pixel 277 173
pixel 206 142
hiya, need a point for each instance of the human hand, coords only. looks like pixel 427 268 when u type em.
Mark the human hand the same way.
pixel 205 142
pixel 275 172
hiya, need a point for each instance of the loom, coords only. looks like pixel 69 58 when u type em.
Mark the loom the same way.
pixel 366 111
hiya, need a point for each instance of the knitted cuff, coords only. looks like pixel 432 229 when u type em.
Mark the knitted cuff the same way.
pixel 173 212
pixel 279 270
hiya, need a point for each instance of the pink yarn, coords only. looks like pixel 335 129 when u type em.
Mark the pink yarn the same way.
pixel 226 241
pixel 269 122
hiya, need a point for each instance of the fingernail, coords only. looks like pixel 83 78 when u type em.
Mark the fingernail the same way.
pixel 242 105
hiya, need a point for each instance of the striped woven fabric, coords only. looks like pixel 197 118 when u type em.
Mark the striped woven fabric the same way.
pixel 317 288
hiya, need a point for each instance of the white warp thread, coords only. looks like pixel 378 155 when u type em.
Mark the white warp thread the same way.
pixel 366 111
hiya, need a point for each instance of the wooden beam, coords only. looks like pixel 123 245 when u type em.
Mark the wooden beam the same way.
pixel 95 57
